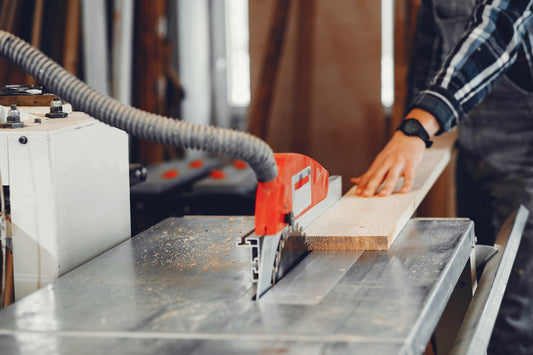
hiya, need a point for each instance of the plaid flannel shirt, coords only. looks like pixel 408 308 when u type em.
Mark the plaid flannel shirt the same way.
pixel 498 40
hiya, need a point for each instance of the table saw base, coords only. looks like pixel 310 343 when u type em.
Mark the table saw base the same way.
pixel 184 286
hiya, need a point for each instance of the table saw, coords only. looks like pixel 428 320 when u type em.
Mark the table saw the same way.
pixel 184 287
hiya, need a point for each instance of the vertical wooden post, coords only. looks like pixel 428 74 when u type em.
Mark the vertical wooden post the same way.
pixel 8 16
pixel 152 56
pixel 404 33
pixel 37 23
pixel 72 36
pixel 36 30
pixel 261 102
pixel 9 290
pixel 303 77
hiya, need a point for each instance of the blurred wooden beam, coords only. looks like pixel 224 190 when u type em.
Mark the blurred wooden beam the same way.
pixel 152 57
pixel 72 36
pixel 7 17
pixel 263 94
pixel 9 288
pixel 37 23
pixel 304 76
pixel 36 30
pixel 406 12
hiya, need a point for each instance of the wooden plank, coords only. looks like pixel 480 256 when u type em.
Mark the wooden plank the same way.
pixel 441 199
pixel 372 223
pixel 26 100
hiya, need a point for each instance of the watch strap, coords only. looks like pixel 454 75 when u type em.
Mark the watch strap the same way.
pixel 413 128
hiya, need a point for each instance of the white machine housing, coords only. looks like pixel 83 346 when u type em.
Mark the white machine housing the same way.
pixel 68 182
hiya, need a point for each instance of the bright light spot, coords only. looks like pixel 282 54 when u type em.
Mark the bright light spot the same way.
pixel 237 52
pixel 387 53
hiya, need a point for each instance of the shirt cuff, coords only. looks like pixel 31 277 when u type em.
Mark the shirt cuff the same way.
pixel 441 104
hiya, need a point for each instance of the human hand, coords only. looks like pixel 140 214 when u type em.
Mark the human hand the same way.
pixel 401 157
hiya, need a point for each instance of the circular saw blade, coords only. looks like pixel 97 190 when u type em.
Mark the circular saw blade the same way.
pixel 292 247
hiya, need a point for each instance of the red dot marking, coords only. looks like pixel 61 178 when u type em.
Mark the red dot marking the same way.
pixel 239 164
pixel 196 164
pixel 170 174
pixel 218 174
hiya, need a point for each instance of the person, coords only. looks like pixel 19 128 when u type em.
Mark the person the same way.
pixel 472 67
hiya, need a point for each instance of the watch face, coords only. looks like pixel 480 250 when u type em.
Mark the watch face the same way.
pixel 411 127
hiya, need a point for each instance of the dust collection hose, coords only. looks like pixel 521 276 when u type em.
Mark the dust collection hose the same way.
pixel 137 122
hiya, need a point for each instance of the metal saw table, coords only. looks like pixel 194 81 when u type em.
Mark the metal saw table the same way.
pixel 184 287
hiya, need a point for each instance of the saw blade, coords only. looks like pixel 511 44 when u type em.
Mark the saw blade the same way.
pixel 291 249
pixel 282 254
pixel 279 254
pixel 267 256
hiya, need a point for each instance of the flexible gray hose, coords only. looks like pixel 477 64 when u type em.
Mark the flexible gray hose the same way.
pixel 136 122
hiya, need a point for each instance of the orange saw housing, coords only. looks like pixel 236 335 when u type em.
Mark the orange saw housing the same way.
pixel 301 184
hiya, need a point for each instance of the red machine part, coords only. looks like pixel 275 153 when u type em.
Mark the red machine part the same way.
pixel 239 164
pixel 170 174
pixel 274 199
pixel 217 174
pixel 196 164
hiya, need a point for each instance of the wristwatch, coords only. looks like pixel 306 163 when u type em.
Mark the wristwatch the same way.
pixel 413 128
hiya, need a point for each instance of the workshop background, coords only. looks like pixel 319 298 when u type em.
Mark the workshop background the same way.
pixel 305 75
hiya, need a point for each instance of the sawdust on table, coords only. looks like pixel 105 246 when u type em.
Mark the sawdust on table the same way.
pixel 188 249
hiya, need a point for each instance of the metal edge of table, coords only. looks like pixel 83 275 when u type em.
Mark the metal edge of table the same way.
pixel 439 297
pixel 475 331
